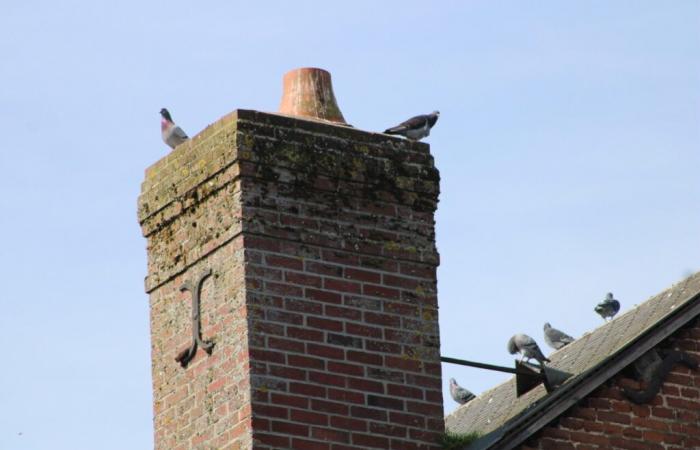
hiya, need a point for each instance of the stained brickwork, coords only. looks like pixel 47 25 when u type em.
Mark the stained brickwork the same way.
pixel 323 303
pixel 606 419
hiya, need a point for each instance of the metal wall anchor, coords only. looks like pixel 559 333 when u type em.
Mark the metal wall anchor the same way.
pixel 657 374
pixel 185 356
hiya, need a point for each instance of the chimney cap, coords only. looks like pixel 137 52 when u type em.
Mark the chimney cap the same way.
pixel 308 92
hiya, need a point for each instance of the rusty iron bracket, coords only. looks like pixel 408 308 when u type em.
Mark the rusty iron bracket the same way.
pixel 185 356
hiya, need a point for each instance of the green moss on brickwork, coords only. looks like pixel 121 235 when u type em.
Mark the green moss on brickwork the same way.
pixel 379 168
pixel 457 441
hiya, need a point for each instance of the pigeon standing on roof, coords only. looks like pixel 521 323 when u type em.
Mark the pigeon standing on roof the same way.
pixel 172 134
pixel 459 394
pixel 608 307
pixel 415 128
pixel 524 344
pixel 556 338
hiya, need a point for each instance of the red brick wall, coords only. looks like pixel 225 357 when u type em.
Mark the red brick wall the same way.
pixel 341 259
pixel 607 420
pixel 324 303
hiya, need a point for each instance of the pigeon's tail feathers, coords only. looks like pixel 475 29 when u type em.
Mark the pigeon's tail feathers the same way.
pixel 395 130
pixel 468 397
pixel 539 356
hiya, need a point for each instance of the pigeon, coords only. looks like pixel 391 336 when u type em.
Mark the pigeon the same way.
pixel 459 394
pixel 524 344
pixel 608 307
pixel 172 134
pixel 415 128
pixel 555 338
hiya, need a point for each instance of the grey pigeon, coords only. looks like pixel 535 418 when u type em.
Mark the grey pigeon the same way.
pixel 608 307
pixel 415 128
pixel 459 394
pixel 555 338
pixel 524 344
pixel 172 134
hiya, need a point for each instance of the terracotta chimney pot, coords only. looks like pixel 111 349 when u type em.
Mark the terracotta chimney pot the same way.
pixel 308 92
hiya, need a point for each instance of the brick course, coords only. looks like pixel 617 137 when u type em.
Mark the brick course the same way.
pixel 606 419
pixel 323 303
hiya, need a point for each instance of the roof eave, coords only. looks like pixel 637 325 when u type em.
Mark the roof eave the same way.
pixel 552 406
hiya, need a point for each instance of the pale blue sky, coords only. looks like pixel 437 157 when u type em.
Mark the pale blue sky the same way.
pixel 568 147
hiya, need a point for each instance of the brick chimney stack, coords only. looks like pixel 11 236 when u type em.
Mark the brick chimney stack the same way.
pixel 314 248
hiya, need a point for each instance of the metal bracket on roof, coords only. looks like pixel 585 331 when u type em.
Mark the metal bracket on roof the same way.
pixel 658 374
pixel 186 355
pixel 527 376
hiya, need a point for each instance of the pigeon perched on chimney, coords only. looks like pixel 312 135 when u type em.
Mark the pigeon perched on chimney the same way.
pixel 608 307
pixel 524 344
pixel 556 338
pixel 459 394
pixel 415 128
pixel 172 134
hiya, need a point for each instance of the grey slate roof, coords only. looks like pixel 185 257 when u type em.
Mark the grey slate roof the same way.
pixel 499 406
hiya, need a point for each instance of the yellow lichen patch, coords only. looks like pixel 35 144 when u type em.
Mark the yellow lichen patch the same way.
pixel 248 141
pixel 392 245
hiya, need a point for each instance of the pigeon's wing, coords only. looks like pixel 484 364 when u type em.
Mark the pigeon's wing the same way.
pixel 608 307
pixel 559 336
pixel 410 124
pixel 177 131
pixel 414 122
pixel 615 306
pixel 523 340
pixel 464 395
pixel 601 307
pixel 531 348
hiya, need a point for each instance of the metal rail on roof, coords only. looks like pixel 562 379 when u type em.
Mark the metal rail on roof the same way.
pixel 527 376
pixel 464 362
